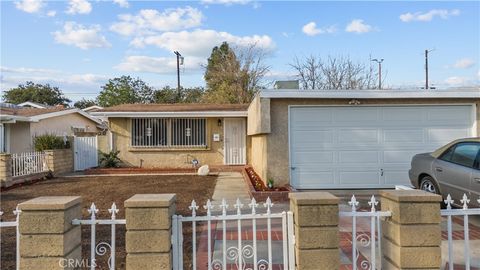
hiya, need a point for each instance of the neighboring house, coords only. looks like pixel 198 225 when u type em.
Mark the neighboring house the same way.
pixel 33 105
pixel 309 139
pixel 175 135
pixel 19 125
pixel 92 108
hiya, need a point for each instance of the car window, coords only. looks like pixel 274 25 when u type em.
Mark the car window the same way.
pixel 447 155
pixel 465 154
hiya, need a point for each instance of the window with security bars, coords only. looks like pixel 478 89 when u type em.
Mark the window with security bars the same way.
pixel 169 132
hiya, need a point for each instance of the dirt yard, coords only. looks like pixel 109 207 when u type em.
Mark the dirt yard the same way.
pixel 103 191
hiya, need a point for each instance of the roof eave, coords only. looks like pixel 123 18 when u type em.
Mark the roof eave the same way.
pixel 173 114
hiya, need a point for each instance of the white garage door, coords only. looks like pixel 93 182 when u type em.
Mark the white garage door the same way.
pixel 368 147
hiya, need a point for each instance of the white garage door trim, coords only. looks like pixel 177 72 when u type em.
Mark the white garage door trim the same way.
pixel 473 132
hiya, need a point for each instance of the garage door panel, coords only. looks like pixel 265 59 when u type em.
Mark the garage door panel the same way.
pixel 355 115
pixel 365 176
pixel 357 135
pixel 302 158
pixel 403 135
pixel 357 157
pixel 368 146
pixel 444 135
pixel 305 137
pixel 403 157
pixel 402 114
pixel 312 179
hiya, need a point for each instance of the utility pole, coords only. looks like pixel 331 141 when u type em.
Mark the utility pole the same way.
pixel 426 69
pixel 178 72
pixel 379 71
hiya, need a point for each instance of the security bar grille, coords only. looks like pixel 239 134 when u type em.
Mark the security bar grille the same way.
pixel 169 132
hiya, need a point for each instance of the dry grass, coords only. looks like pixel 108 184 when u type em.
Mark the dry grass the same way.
pixel 104 190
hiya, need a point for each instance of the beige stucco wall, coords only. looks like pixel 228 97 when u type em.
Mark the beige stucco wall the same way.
pixel 258 121
pixel 258 155
pixel 61 125
pixel 166 158
pixel 19 137
pixel 277 147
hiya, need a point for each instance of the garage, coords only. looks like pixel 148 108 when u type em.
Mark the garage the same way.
pixel 368 146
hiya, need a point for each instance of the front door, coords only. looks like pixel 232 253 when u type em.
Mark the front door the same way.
pixel 235 141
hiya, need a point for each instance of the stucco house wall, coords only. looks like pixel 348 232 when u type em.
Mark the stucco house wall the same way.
pixel 61 125
pixel 19 137
pixel 166 157
pixel 272 149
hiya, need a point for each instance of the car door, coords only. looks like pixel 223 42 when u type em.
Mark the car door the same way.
pixel 454 169
pixel 475 182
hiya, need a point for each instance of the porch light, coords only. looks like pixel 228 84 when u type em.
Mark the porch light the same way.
pixel 219 123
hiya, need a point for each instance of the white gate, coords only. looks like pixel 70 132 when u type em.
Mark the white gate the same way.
pixel 243 241
pixel 86 153
pixel 235 141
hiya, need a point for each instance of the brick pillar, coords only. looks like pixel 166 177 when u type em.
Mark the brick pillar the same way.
pixel 411 238
pixel 149 223
pixel 5 169
pixel 316 230
pixel 48 240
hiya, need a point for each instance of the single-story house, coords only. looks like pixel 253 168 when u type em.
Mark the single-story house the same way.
pixel 19 125
pixel 176 135
pixel 315 139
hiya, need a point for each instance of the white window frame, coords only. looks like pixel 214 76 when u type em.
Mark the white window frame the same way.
pixel 168 132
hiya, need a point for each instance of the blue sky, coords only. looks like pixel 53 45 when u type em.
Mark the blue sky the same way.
pixel 79 44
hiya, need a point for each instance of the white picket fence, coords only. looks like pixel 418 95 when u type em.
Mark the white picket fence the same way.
pixel 373 240
pixel 244 254
pixel 28 163
pixel 465 212
pixel 14 224
pixel 101 248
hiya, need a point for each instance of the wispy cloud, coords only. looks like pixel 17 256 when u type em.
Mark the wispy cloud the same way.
pixel 81 36
pixel 79 7
pixel 159 65
pixel 122 3
pixel 358 26
pixel 29 6
pixel 429 15
pixel 464 63
pixel 310 29
pixel 151 20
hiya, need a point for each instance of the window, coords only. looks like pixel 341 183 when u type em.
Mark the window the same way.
pixel 463 154
pixel 169 132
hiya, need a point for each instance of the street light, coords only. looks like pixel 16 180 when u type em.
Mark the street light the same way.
pixel 379 72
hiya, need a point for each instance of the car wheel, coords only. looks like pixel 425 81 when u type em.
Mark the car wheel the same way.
pixel 429 185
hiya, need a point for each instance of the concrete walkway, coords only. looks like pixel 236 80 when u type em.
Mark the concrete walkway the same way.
pixel 230 186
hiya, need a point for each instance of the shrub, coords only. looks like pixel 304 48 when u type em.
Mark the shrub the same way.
pixel 110 159
pixel 49 142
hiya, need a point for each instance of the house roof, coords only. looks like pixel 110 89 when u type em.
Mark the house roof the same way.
pixel 470 93
pixel 178 107
pixel 37 114
pixel 174 110
pixel 33 104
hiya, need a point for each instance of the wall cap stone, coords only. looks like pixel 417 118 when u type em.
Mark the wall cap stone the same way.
pixel 313 198
pixel 410 196
pixel 51 203
pixel 150 200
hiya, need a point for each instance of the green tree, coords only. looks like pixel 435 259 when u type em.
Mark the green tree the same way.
pixel 84 103
pixel 125 89
pixel 187 95
pixel 234 76
pixel 34 92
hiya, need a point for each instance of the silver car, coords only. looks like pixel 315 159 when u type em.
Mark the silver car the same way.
pixel 453 169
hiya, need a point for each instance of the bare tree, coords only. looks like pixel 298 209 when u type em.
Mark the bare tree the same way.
pixel 333 73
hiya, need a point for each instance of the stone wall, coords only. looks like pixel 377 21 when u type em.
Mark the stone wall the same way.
pixel 60 161
pixel 5 169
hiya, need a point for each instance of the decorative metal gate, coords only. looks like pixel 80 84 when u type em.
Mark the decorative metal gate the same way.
pixel 368 238
pixel 86 154
pixel 246 241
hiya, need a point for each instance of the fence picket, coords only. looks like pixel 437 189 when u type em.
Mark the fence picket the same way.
pixel 28 163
